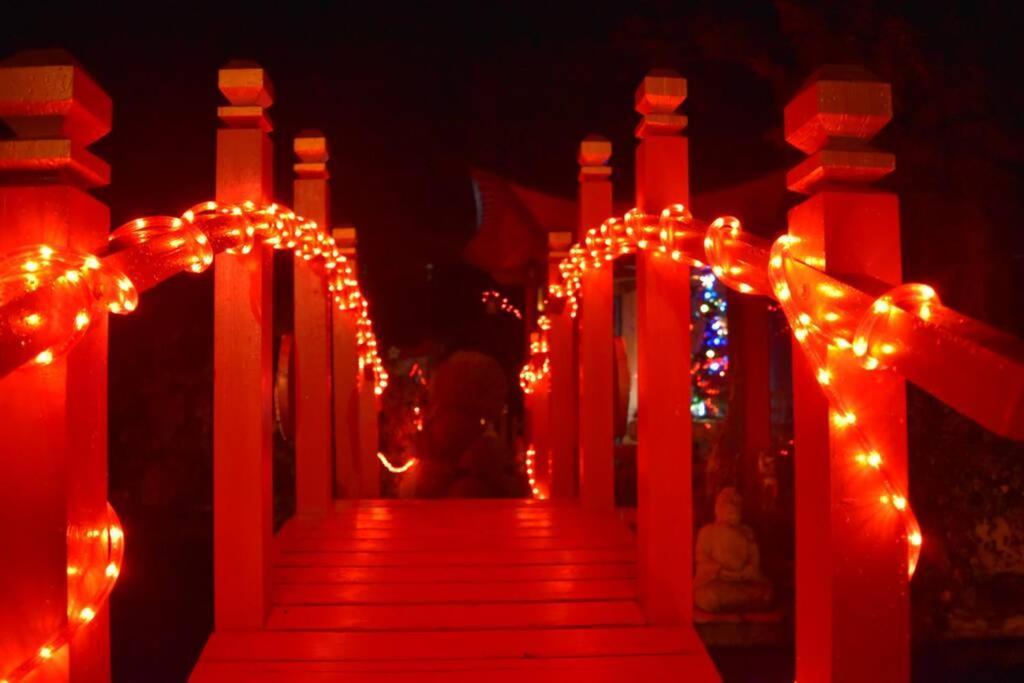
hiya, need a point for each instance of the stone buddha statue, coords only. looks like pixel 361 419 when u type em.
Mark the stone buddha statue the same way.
pixel 728 577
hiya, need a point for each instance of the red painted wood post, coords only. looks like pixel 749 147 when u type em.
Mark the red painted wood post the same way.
pixel 596 383
pixel 563 398
pixel 243 328
pixel 369 465
pixel 367 410
pixel 851 573
pixel 54 426
pixel 346 387
pixel 314 479
pixel 664 480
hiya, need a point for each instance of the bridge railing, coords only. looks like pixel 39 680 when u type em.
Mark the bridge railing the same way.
pixel 858 334
pixel 61 273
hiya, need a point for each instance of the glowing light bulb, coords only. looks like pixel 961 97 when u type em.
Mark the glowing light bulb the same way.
pixel 81 320
pixel 844 419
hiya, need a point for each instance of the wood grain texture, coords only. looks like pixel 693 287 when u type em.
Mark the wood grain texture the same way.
pixel 389 591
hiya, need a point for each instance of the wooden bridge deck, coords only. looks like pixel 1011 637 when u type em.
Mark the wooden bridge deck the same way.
pixel 455 590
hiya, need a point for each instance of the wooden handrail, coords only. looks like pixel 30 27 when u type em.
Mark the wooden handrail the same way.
pixel 972 367
pixel 143 253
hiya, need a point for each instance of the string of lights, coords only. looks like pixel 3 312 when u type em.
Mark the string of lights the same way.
pixel 530 465
pixel 494 298
pixel 396 469
pixel 49 297
pixel 538 363
pixel 822 317
pixel 710 361
pixel 95 556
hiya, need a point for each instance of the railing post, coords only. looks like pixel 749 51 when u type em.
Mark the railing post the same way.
pixel 664 480
pixel 562 396
pixel 596 402
pixel 364 410
pixel 369 465
pixel 313 468
pixel 54 426
pixel 851 570
pixel 243 328
pixel 347 481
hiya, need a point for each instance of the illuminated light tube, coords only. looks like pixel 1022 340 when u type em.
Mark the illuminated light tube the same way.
pixel 94 551
pixel 49 297
pixel 142 253
pixel 400 469
pixel 716 244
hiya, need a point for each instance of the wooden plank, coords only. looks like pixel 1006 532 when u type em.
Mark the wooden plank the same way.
pixel 449 543
pixel 436 504
pixel 452 592
pixel 269 646
pixel 456 616
pixel 442 558
pixel 652 669
pixel 466 573
pixel 442 528
pixel 456 591
pixel 349 532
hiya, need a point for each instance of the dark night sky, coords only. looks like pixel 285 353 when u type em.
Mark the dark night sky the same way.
pixel 409 97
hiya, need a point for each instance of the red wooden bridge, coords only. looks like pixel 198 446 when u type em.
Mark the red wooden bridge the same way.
pixel 456 590
pixel 358 588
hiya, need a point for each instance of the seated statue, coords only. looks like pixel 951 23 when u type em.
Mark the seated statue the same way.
pixel 728 575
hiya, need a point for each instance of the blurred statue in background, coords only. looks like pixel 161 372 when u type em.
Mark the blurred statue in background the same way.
pixel 728 577
pixel 460 453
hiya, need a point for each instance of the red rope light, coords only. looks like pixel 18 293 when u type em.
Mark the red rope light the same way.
pixel 743 263
pixel 537 489
pixel 49 297
pixel 538 364
pixel 396 469
pixel 95 557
